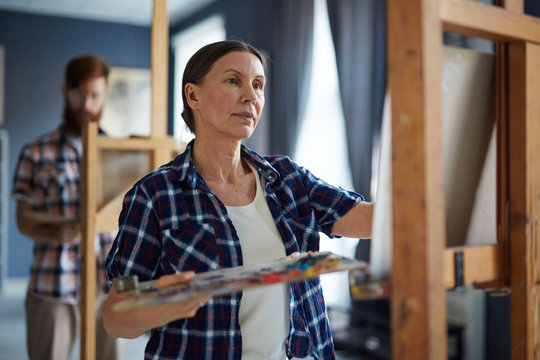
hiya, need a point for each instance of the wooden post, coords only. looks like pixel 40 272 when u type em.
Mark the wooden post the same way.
pixel 513 5
pixel 524 195
pixel 160 147
pixel 501 122
pixel 88 258
pixel 414 70
pixel 159 68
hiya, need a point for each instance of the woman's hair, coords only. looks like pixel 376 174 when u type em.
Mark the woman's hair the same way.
pixel 202 61
pixel 84 67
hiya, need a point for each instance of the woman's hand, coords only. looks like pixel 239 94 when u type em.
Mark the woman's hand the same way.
pixel 133 323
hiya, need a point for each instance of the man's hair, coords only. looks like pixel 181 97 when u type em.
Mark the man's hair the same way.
pixel 202 61
pixel 83 68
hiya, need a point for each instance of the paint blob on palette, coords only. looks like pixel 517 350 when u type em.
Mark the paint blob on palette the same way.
pixel 293 268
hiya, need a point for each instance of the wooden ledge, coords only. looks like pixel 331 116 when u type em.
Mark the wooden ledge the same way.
pixel 488 21
pixel 150 143
pixel 483 266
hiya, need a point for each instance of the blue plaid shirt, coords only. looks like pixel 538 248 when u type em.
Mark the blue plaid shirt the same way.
pixel 172 222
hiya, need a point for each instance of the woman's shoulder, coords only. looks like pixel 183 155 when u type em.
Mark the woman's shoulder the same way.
pixel 267 160
pixel 283 163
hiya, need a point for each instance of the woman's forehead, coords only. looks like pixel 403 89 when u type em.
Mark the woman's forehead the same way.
pixel 240 61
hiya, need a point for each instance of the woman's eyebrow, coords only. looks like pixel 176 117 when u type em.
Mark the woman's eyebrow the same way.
pixel 240 73
pixel 232 70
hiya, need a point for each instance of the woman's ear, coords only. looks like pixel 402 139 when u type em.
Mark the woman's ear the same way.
pixel 192 95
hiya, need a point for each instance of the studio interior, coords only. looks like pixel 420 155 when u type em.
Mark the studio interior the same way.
pixel 428 108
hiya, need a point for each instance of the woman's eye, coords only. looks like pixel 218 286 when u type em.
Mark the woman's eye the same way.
pixel 257 86
pixel 232 81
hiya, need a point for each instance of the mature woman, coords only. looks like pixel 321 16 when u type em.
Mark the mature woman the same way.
pixel 218 205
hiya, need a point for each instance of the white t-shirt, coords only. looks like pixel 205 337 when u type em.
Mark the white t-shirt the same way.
pixel 264 312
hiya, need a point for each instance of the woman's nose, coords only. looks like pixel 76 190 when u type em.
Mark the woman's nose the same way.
pixel 249 94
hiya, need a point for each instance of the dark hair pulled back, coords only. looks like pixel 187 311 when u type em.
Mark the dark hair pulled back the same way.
pixel 202 61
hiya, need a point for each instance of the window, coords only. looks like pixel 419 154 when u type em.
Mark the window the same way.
pixel 184 45
pixel 321 146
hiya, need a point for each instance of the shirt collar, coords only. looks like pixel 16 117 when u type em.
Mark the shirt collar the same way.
pixel 184 169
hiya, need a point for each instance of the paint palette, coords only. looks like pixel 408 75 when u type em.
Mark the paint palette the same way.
pixel 295 267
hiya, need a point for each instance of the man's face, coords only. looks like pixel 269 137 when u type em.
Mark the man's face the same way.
pixel 84 103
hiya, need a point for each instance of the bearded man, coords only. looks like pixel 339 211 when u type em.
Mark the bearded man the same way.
pixel 47 188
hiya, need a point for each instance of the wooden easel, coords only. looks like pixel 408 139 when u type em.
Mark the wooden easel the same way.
pixel 420 258
pixel 98 218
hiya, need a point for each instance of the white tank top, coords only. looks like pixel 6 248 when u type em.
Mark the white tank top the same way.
pixel 264 311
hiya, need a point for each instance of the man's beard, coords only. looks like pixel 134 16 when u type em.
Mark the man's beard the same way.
pixel 73 119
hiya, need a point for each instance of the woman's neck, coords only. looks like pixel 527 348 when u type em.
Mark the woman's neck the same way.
pixel 226 174
pixel 219 161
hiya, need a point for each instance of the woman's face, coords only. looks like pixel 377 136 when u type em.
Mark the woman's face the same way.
pixel 230 99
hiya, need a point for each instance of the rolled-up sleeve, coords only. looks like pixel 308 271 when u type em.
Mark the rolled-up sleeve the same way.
pixel 329 203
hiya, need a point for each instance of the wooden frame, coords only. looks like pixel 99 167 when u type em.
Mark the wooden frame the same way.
pixel 97 219
pixel 524 197
pixel 414 66
pixel 414 69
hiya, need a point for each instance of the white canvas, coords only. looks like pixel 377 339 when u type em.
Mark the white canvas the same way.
pixel 469 157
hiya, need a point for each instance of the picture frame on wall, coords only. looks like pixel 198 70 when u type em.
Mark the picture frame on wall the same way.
pixel 127 110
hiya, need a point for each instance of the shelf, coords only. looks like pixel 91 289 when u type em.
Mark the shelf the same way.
pixel 488 21
pixel 137 143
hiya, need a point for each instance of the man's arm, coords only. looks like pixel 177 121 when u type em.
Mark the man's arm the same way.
pixel 357 223
pixel 41 231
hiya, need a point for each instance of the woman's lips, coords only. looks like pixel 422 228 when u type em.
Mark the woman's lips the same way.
pixel 246 115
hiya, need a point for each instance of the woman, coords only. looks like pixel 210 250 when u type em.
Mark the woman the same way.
pixel 218 205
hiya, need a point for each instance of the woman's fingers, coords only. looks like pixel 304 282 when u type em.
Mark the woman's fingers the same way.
pixel 190 307
pixel 174 279
pixel 184 308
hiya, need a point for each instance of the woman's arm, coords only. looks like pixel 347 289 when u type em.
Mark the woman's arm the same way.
pixel 357 223
pixel 133 323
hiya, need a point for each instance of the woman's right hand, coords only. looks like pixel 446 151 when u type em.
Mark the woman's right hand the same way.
pixel 133 323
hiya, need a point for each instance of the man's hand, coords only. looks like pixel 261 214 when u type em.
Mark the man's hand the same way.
pixel 45 227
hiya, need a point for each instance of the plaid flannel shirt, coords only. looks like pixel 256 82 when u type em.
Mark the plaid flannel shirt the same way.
pixel 48 177
pixel 172 222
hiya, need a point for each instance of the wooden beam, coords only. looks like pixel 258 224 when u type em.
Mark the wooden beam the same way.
pixel 488 21
pixel 524 195
pixel 502 180
pixel 414 70
pixel 513 5
pixel 483 266
pixel 88 258
pixel 160 145
pixel 107 221
pixel 159 62
pixel 501 123
pixel 107 216
pixel 137 144
pixel 159 157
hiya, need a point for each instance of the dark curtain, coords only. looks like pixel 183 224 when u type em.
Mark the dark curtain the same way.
pixel 359 33
pixel 290 72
